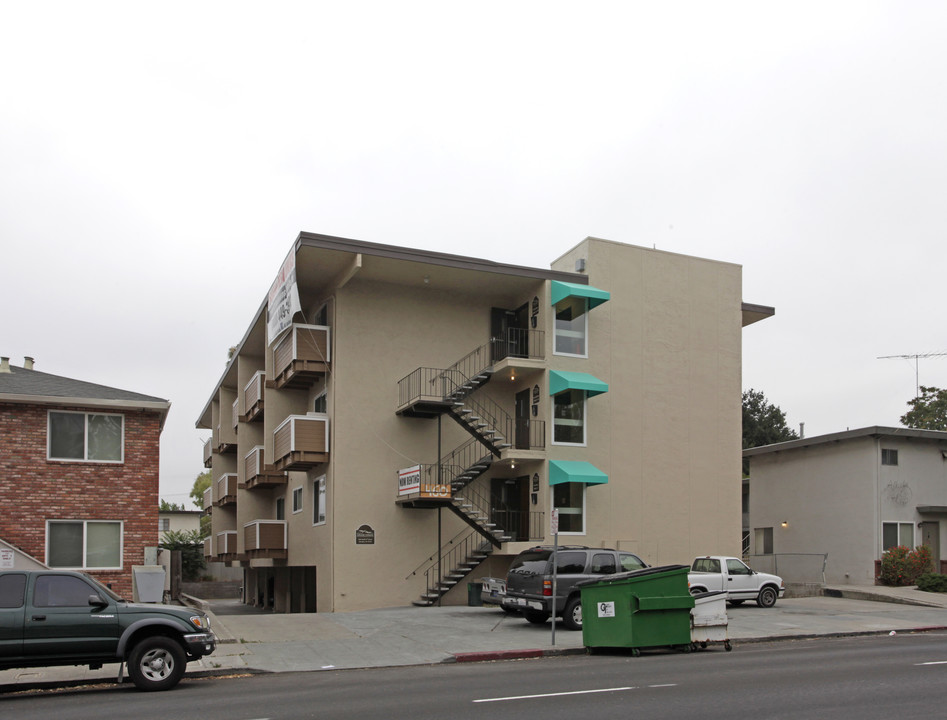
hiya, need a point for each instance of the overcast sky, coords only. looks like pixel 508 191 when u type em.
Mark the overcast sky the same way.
pixel 158 160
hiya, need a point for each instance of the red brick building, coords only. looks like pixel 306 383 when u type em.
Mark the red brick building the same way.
pixel 79 469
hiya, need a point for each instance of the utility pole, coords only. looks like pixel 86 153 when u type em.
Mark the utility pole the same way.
pixel 916 357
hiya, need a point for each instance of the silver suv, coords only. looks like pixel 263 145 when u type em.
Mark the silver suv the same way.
pixel 529 580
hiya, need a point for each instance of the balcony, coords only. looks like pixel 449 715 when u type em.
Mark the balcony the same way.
pixel 253 398
pixel 258 474
pixel 208 548
pixel 224 442
pixel 265 539
pixel 226 490
pixel 301 441
pixel 209 498
pixel 301 356
pixel 234 416
pixel 227 545
pixel 208 454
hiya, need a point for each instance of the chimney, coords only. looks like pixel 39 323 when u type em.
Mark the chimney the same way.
pixel 5 365
pixel 27 363
pixel 802 430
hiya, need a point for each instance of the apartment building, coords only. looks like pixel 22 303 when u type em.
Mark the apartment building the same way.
pixel 848 496
pixel 396 423
pixel 80 463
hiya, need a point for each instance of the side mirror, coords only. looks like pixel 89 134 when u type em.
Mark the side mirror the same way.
pixel 96 600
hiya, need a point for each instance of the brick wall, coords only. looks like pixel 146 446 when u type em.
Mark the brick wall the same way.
pixel 34 490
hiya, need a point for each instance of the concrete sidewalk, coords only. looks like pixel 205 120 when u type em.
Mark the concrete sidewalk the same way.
pixel 252 641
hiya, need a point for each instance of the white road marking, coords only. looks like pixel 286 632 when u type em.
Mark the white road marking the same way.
pixel 667 685
pixel 558 694
pixel 938 662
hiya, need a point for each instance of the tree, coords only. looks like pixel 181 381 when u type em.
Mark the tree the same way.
pixel 928 410
pixel 763 422
pixel 201 483
pixel 165 506
pixel 191 545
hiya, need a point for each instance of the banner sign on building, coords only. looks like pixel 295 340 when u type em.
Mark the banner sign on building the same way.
pixel 283 299
pixel 409 480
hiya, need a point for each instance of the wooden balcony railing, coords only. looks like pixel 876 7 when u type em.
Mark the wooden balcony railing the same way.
pixel 227 545
pixel 253 398
pixel 258 474
pixel 209 498
pixel 234 415
pixel 301 441
pixel 208 454
pixel 301 356
pixel 265 539
pixel 226 489
pixel 208 548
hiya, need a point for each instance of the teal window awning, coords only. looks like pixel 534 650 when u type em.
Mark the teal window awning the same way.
pixel 560 381
pixel 577 471
pixel 563 290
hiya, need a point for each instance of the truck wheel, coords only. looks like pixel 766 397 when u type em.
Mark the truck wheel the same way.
pixel 766 598
pixel 156 663
pixel 572 615
pixel 537 617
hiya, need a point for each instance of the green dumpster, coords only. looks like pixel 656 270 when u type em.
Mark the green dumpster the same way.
pixel 642 608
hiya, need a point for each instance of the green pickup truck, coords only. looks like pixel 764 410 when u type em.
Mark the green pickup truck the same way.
pixel 53 617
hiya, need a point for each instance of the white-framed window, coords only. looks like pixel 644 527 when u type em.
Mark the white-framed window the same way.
pixel 92 437
pixel 571 336
pixel 84 544
pixel 297 500
pixel 569 499
pixel 280 508
pixel 319 501
pixel 319 404
pixel 897 533
pixel 164 524
pixel 568 417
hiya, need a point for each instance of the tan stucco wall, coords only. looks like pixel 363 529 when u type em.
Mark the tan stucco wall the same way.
pixel 668 342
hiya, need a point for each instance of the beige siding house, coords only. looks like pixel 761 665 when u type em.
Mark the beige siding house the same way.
pixel 850 495
pixel 419 415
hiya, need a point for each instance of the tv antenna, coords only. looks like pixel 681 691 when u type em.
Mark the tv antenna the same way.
pixel 916 357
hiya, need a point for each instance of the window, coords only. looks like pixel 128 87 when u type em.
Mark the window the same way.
pixel 280 508
pixel 321 316
pixel 735 567
pixel 570 563
pixel 12 590
pixel 568 418
pixel 85 436
pixel 297 500
pixel 889 457
pixel 88 544
pixel 571 315
pixel 319 501
pixel 603 564
pixel 764 541
pixel 569 500
pixel 895 533
pixel 61 591
pixel 164 524
pixel 320 405
pixel 630 562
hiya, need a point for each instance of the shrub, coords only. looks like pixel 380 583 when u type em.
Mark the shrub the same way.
pixel 191 545
pixel 932 582
pixel 901 566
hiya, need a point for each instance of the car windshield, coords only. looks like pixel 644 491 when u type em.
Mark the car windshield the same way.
pixel 104 590
pixel 533 562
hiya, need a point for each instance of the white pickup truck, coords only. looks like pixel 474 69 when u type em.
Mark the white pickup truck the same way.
pixel 729 574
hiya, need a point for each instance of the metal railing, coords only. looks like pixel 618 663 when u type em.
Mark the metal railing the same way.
pixel 792 567
pixel 493 416
pixel 452 557
pixel 530 434
pixel 519 525
pixel 519 343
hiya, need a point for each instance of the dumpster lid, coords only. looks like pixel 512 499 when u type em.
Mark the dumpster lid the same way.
pixel 634 574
